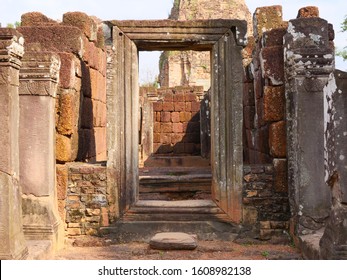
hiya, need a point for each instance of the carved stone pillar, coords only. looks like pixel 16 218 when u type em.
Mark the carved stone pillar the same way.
pixel 38 86
pixel 12 243
pixel 309 60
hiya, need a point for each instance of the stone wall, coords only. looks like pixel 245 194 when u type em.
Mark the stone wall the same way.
pixel 265 201
pixel 81 96
pixel 264 100
pixel 86 199
pixel 177 121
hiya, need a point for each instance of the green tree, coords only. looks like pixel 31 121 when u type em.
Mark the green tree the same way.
pixel 14 25
pixel 343 52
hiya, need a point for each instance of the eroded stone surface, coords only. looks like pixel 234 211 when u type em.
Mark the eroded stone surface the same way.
pixel 173 241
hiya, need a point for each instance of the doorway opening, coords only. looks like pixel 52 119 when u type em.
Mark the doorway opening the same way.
pixel 174 130
pixel 223 40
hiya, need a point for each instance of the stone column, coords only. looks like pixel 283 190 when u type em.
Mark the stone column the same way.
pixel 12 243
pixel 309 60
pixel 38 86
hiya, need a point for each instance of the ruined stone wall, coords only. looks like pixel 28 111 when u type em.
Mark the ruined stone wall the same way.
pixel 264 100
pixel 80 111
pixel 86 198
pixel 176 117
pixel 265 201
pixel 81 97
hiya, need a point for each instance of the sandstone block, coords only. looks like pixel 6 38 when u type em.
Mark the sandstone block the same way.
pixel 156 137
pixel 68 111
pixel 248 94
pixel 267 18
pixel 274 103
pixel 273 64
pixel 175 117
pixel 179 106
pixel 248 114
pixel 156 127
pixel 178 97
pixel 165 138
pixel 158 106
pixel 177 127
pixel 173 241
pixel 83 22
pixel 188 107
pixel 277 139
pixel 190 96
pixel 165 117
pixel 168 106
pixel 166 127
pixel 280 176
pixel 309 11
pixel 63 148
pixel 62 181
pixel 177 137
pixel 35 18
pixel 274 37
pixel 250 215
pixel 56 38
pixel 67 70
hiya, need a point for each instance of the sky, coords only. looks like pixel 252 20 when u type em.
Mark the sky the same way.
pixel 11 11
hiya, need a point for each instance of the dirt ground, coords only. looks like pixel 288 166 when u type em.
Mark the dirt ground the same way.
pixel 93 248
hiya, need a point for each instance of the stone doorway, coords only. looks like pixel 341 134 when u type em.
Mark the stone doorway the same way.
pixel 224 39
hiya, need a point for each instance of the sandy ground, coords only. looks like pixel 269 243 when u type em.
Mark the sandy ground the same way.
pixel 92 248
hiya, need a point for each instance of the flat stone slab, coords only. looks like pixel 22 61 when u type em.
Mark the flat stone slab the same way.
pixel 173 241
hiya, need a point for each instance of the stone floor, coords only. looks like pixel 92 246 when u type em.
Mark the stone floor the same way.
pixel 92 248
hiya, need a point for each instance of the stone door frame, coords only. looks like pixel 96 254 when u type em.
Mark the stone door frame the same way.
pixel 225 40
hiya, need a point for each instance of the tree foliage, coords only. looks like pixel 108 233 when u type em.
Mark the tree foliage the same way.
pixel 343 52
pixel 14 25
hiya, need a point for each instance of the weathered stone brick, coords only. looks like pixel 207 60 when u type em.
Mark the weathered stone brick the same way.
pixel 156 127
pixel 267 18
pixel 177 127
pixel 175 117
pixel 158 106
pixel 179 106
pixel 68 110
pixel 104 217
pixel 250 215
pixel 178 96
pixel 273 64
pixel 62 181
pixel 165 138
pixel 277 139
pixel 67 70
pixel 83 22
pixel 309 11
pixel 63 148
pixel 166 127
pixel 188 107
pixel 190 96
pixel 74 231
pixel 35 18
pixel 156 137
pixel 274 103
pixel 56 38
pixel 177 137
pixel 274 37
pixel 280 176
pixel 165 117
pixel 168 106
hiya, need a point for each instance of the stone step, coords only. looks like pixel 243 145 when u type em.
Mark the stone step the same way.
pixel 177 161
pixel 128 231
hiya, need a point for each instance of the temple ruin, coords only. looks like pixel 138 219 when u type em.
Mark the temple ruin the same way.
pixel 251 144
